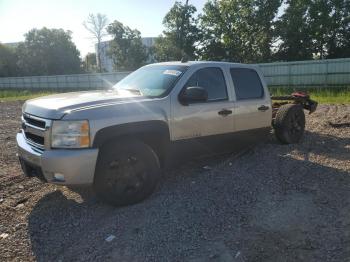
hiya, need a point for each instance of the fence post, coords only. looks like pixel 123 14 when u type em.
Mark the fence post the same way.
pixel 89 80
pixel 289 76
pixel 326 77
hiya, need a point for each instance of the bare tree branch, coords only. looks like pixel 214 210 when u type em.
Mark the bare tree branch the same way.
pixel 96 25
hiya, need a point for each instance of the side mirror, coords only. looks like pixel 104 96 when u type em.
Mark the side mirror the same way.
pixel 193 94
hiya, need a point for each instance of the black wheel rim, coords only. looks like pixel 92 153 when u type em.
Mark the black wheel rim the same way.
pixel 126 175
pixel 296 124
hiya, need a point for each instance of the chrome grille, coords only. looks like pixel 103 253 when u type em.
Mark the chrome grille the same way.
pixel 34 122
pixel 35 130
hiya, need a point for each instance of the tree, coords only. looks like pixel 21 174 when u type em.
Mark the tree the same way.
pixel 96 25
pixel 330 28
pixel 90 62
pixel 339 42
pixel 263 28
pixel 181 34
pixel 126 48
pixel 165 50
pixel 48 52
pixel 238 30
pixel 294 32
pixel 314 29
pixel 321 26
pixel 214 44
pixel 8 59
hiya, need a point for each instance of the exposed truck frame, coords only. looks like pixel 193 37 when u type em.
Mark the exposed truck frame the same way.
pixel 299 97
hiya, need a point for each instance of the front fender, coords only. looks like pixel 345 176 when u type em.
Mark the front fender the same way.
pixel 152 128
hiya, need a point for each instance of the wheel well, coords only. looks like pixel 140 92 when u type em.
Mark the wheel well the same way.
pixel 153 133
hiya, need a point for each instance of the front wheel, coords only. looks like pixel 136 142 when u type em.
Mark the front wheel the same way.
pixel 289 123
pixel 126 172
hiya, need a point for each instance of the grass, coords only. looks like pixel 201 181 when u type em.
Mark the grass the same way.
pixel 321 95
pixel 12 95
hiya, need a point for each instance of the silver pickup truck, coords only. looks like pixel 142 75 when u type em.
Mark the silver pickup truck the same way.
pixel 119 140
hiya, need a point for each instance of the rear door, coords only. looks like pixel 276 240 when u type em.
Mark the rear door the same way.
pixel 252 101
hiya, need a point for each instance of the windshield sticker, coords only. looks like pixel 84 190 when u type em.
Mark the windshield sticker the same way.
pixel 172 72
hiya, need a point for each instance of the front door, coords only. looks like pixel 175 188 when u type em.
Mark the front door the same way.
pixel 204 123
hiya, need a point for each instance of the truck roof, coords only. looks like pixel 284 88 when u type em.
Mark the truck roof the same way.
pixel 192 63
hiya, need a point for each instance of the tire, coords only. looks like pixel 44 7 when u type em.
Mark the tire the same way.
pixel 127 172
pixel 289 123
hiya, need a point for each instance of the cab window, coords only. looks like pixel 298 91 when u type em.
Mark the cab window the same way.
pixel 212 80
pixel 247 83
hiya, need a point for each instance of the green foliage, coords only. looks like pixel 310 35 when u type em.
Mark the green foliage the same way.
pixel 330 28
pixel 165 50
pixel 126 48
pixel 319 16
pixel 294 32
pixel 246 31
pixel 238 30
pixel 90 63
pixel 48 52
pixel 180 35
pixel 249 30
pixel 314 29
pixel 8 60
pixel 265 12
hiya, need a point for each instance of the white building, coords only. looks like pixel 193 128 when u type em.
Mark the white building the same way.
pixel 11 45
pixel 107 62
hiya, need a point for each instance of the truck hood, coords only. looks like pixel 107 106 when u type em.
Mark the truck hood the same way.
pixel 56 106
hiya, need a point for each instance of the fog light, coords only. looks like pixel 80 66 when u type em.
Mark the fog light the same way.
pixel 59 177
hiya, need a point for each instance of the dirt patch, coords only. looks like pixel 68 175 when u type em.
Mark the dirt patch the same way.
pixel 273 203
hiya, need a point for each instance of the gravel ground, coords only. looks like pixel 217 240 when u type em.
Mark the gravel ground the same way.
pixel 272 203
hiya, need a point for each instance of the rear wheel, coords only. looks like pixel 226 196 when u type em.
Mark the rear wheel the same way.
pixel 289 123
pixel 126 173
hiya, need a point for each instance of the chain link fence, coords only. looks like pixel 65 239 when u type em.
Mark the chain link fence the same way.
pixel 56 82
pixel 315 73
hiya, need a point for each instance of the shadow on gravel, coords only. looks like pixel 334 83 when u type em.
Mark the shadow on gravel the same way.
pixel 257 207
pixel 327 145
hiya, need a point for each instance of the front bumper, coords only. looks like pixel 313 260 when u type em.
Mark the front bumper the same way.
pixel 76 165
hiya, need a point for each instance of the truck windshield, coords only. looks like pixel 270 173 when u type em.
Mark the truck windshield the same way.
pixel 151 81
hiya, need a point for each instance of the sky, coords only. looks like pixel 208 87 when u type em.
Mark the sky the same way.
pixel 19 16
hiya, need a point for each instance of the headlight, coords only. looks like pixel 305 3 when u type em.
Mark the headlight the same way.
pixel 70 134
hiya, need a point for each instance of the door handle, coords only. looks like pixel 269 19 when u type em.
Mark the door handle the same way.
pixel 263 108
pixel 225 112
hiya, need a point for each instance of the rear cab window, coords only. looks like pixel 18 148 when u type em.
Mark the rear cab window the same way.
pixel 247 83
pixel 212 80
